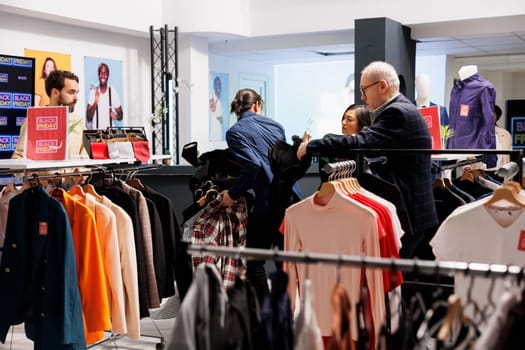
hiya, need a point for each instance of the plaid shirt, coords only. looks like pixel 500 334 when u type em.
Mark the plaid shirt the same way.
pixel 224 227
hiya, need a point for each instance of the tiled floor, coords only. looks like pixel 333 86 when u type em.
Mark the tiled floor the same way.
pixel 151 332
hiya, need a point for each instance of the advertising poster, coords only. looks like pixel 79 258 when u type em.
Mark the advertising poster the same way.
pixel 219 107
pixel 46 133
pixel 103 92
pixel 515 117
pixel 431 117
pixel 45 63
pixel 16 95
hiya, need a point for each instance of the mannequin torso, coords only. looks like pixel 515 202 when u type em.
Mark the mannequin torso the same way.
pixel 423 84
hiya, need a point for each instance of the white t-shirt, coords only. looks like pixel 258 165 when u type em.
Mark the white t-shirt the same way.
pixel 103 109
pixel 472 234
pixel 503 141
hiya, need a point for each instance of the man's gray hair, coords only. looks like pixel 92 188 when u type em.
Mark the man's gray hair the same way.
pixel 379 70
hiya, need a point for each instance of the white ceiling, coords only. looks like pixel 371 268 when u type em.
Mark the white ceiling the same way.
pixel 496 51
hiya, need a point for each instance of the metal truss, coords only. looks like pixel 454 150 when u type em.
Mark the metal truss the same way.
pixel 164 88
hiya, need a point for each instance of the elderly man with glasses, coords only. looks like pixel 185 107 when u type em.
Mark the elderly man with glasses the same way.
pixel 397 124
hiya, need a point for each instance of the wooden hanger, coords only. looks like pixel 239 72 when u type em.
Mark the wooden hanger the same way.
pixel 454 312
pixel 325 193
pixel 89 188
pixel 76 190
pixel 467 176
pixel 10 187
pixel 136 183
pixel 439 183
pixel 351 185
pixel 509 192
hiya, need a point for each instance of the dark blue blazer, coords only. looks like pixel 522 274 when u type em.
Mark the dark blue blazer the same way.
pixel 249 140
pixel 398 125
pixel 38 276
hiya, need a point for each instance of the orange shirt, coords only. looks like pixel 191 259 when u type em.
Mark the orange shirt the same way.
pixel 90 268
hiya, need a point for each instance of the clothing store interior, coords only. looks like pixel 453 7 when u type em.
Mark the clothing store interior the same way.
pixel 182 176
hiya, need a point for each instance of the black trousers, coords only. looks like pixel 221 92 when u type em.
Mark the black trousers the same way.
pixel 258 235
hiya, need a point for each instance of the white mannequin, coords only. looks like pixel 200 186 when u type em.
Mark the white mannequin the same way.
pixel 423 84
pixel 467 71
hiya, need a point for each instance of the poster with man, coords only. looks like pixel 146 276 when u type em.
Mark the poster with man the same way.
pixel 103 86
pixel 218 106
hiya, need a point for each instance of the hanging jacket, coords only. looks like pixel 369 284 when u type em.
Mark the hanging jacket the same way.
pixel 243 317
pixel 277 316
pixel 199 325
pixel 38 276
pixel 307 332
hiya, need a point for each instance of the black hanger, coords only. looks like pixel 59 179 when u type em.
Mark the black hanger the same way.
pixel 471 302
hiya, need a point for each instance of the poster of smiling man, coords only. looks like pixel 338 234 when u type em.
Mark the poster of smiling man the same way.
pixel 103 86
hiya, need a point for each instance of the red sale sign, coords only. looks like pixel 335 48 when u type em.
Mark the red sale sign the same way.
pixel 46 133
pixel 431 117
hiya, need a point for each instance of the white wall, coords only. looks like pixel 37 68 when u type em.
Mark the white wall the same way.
pixel 235 69
pixel 435 67
pixel 314 92
pixel 116 15
pixel 326 15
pixel 208 16
pixel 19 32
pixel 319 92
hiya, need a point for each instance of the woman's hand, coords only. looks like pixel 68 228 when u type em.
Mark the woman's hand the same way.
pixel 301 150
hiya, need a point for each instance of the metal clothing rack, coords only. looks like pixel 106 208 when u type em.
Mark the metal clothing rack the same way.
pixel 112 168
pixel 406 265
pixel 515 155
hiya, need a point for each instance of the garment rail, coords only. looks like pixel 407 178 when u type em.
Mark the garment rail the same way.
pixel 515 155
pixel 406 265
pixel 114 169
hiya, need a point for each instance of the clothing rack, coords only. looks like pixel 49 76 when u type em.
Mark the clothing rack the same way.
pixel 405 265
pixel 97 170
pixel 436 168
pixel 112 168
pixel 515 155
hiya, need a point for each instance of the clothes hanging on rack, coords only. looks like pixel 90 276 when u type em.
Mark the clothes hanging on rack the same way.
pixel 90 266
pixel 391 193
pixel 95 217
pixel 124 201
pixel 307 332
pixel 201 319
pixel 494 228
pixel 177 262
pixel 134 203
pixel 222 226
pixel 303 223
pixel 461 337
pixel 38 274
pixel 7 193
pixel 128 263
pixel 106 226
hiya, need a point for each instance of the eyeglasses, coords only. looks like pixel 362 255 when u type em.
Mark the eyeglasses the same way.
pixel 362 89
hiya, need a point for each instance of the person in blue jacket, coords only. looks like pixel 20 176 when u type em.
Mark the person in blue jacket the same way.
pixel 249 140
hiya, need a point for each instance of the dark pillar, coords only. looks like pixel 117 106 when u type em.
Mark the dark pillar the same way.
pixel 383 39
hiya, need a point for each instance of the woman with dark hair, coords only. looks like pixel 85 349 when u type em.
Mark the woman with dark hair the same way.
pixel 249 140
pixel 354 119
pixel 41 97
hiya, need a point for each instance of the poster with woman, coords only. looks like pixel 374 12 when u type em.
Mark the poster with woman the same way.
pixel 218 106
pixel 45 63
pixel 103 86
